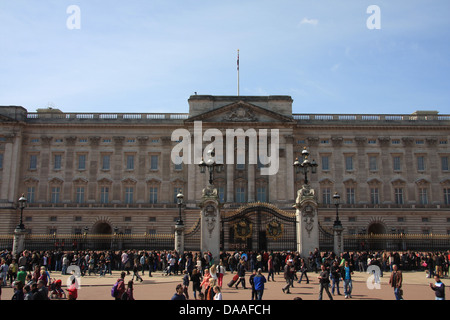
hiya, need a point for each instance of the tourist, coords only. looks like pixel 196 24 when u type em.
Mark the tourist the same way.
pixel 289 271
pixel 324 282
pixel 72 290
pixel 18 291
pixel 304 272
pixel 186 283
pixel 179 293
pixel 196 282
pixel 209 291
pixel 241 272
pixel 270 268
pixel 335 276
pixel 439 288
pixel 347 277
pixel 119 287
pixel 396 281
pixel 258 282
pixel 218 293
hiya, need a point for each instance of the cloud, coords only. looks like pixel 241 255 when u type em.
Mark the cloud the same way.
pixel 313 22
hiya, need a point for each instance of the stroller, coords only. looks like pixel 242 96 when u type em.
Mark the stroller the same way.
pixel 56 292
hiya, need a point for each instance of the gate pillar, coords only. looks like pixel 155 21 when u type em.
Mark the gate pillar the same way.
pixel 210 222
pixel 307 221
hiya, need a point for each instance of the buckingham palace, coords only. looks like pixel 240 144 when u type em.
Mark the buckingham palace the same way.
pixel 114 172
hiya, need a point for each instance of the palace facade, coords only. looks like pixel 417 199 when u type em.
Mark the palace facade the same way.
pixel 110 172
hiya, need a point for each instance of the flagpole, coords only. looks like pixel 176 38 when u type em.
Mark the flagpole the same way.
pixel 238 72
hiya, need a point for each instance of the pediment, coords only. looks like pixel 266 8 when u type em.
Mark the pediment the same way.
pixel 240 112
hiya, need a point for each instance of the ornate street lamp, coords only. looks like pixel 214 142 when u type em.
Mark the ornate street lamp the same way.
pixel 212 166
pixel 180 198
pixel 22 203
pixel 337 198
pixel 304 166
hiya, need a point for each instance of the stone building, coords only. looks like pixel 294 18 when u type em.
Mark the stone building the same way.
pixel 106 172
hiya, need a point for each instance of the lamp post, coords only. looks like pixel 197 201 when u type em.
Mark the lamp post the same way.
pixel 338 228
pixel 211 164
pixel 337 198
pixel 304 166
pixel 22 203
pixel 180 198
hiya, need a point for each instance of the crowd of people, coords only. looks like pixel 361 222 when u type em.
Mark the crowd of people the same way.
pixel 29 272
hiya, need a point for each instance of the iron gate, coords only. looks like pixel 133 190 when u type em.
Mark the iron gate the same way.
pixel 259 227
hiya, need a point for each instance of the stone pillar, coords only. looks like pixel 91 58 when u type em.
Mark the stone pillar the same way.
pixel 307 221
pixel 210 222
pixel 338 246
pixel 179 238
pixel 19 241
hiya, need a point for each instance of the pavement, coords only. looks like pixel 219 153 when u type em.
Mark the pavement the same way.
pixel 161 287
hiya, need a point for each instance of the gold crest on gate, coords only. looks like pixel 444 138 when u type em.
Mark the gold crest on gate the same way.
pixel 274 230
pixel 243 229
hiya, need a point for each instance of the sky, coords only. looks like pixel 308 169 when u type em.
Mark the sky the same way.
pixel 149 56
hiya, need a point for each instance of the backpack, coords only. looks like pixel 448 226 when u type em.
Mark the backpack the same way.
pixel 114 289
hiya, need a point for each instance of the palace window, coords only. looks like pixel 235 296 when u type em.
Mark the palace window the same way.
pixel 423 195
pixel 82 162
pixel 349 163
pixel 130 162
pixel 106 162
pixel 240 194
pixel 446 195
pixel 374 196
pixel 57 159
pixel 104 194
pixel 55 194
pixel 153 162
pixel 444 163
pixel 79 197
pixel 397 164
pixel 420 163
pixel 153 195
pixel 129 191
pixel 398 195
pixel 326 195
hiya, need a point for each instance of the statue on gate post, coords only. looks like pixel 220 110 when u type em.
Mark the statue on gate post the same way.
pixel 308 222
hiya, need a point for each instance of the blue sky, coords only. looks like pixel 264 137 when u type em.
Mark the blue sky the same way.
pixel 151 55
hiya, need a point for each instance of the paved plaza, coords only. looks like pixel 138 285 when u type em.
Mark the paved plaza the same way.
pixel 160 287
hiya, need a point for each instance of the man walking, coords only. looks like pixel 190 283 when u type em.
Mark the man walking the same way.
pixel 396 281
pixel 324 282
pixel 288 276
pixel 348 285
pixel 258 282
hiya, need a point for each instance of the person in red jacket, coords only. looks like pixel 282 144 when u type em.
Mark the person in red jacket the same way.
pixel 72 290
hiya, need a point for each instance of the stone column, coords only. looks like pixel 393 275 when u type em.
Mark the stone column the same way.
pixel 338 233
pixel 179 238
pixel 307 221
pixel 19 241
pixel 210 222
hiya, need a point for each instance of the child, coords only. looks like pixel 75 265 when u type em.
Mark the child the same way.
pixel 218 294
pixel 186 284
pixel 72 290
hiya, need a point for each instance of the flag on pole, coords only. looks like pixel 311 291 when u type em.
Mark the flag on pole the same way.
pixel 238 72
